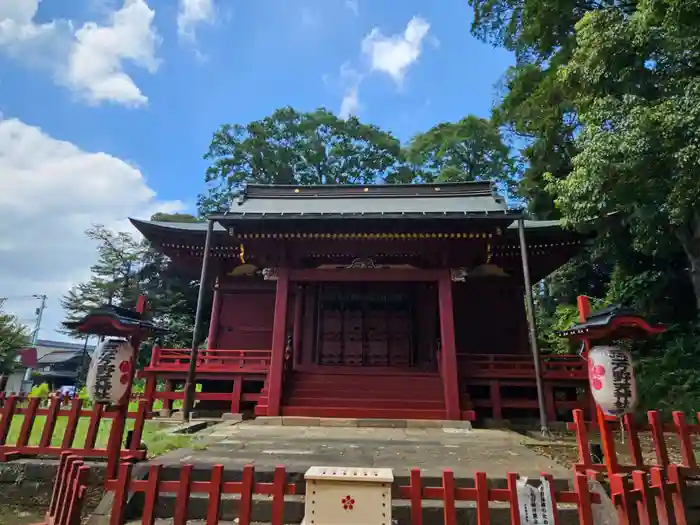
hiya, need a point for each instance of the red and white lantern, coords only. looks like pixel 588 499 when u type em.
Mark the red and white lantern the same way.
pixel 611 377
pixel 110 372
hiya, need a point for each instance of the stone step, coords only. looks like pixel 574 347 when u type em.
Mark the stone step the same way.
pixel 304 400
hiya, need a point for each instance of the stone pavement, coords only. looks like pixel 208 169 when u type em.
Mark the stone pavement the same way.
pixel 495 452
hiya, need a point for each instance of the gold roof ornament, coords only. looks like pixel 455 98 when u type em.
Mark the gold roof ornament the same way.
pixel 243 269
pixel 488 269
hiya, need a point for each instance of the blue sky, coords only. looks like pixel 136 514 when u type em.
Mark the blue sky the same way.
pixel 108 105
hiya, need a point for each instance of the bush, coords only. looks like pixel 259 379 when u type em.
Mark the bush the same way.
pixel 41 391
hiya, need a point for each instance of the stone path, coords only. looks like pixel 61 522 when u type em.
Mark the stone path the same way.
pixel 495 452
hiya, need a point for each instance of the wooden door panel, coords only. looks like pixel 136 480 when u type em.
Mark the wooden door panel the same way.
pixel 246 321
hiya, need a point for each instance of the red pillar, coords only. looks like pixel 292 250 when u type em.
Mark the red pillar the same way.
pixel 279 341
pixel 448 352
pixel 236 395
pixel 215 319
pixel 298 320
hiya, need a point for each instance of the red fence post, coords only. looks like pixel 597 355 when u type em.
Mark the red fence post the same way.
pixel 182 502
pixel 247 489
pixel 121 492
pixel 50 423
pixel 448 497
pixel 151 496
pixel 416 489
pixel 215 485
pixel 483 513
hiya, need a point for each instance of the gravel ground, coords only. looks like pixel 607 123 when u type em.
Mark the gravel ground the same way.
pixel 563 449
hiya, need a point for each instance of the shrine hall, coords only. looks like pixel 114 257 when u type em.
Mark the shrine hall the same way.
pixel 403 301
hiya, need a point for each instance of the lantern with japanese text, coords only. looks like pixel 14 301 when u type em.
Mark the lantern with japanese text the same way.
pixel 610 370
pixel 110 372
pixel 611 377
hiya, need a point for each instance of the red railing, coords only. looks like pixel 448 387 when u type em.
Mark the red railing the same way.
pixel 219 360
pixel 27 410
pixel 657 430
pixel 68 492
pixel 509 366
pixel 482 494
pixel 152 485
pixel 643 500
pixel 416 492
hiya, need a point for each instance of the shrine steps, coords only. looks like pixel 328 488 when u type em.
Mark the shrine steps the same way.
pixel 370 395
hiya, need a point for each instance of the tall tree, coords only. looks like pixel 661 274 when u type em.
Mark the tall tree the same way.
pixel 114 278
pixel 469 150
pixel 13 337
pixel 635 82
pixel 126 268
pixel 290 147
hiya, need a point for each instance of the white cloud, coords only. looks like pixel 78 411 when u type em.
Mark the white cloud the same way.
pixel 193 13
pixel 96 61
pixel 353 5
pixel 50 192
pixel 350 105
pixel 89 60
pixel 392 55
pixel 395 54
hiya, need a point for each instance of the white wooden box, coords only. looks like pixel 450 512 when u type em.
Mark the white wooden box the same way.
pixel 348 496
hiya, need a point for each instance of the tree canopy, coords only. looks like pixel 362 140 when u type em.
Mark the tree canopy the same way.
pixel 290 147
pixel 604 97
pixel 469 150
pixel 13 337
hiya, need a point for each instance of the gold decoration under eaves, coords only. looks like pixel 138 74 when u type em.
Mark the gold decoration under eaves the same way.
pixel 241 253
pixel 488 269
pixel 243 269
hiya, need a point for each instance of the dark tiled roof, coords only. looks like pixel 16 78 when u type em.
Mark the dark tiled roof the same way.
pixel 448 200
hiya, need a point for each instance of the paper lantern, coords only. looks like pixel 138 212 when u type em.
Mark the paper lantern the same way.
pixel 611 377
pixel 110 372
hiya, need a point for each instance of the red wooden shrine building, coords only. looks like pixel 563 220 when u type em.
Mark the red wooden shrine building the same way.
pixel 380 301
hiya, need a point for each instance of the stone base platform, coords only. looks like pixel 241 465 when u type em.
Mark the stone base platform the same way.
pixel 296 421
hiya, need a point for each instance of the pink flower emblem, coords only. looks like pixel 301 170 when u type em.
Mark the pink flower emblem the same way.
pixel 597 374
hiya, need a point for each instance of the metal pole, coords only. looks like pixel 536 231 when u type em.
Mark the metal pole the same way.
pixel 198 318
pixel 532 329
pixel 35 334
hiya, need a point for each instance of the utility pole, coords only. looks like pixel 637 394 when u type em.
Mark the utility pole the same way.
pixel 35 334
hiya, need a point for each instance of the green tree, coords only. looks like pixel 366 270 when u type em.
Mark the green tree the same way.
pixel 290 147
pixel 127 268
pixel 13 337
pixel 469 150
pixel 634 79
pixel 114 278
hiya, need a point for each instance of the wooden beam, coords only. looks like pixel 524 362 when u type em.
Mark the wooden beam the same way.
pixel 214 320
pixel 366 275
pixel 448 351
pixel 279 340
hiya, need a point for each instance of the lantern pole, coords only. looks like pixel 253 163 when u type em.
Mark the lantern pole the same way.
pixel 198 319
pixel 532 329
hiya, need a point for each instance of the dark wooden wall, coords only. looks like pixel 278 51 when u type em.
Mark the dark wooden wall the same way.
pixel 490 316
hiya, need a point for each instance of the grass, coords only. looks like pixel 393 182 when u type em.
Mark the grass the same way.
pixel 157 441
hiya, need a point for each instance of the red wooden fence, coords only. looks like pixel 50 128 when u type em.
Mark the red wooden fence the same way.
pixel 481 494
pixel 680 428
pixel 657 498
pixel 68 492
pixel 152 485
pixel 16 409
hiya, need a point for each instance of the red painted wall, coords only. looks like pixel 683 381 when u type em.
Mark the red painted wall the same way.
pixel 246 320
pixel 490 317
